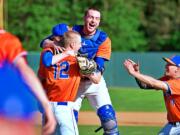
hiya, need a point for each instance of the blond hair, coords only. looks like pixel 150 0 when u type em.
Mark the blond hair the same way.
pixel 71 37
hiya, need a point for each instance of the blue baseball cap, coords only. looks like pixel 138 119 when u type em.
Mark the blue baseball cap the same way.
pixel 175 60
pixel 59 29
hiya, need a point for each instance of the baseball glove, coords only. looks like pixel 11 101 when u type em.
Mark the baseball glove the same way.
pixel 86 66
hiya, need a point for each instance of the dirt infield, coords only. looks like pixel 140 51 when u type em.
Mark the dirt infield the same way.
pixel 127 118
pixel 124 118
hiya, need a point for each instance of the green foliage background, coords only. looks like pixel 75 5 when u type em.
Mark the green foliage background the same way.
pixel 143 25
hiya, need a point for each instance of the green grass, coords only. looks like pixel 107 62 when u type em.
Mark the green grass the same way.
pixel 124 130
pixel 130 99
pixel 133 99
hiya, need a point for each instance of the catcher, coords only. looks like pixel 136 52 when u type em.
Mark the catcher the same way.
pixel 97 46
pixel 59 70
pixel 170 86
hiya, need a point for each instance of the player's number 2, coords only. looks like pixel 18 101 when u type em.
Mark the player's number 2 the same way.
pixel 64 68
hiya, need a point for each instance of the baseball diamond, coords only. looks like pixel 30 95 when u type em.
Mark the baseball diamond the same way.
pixel 123 118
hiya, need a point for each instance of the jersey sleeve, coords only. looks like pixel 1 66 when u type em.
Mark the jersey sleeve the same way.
pixel 11 48
pixel 47 58
pixel 174 86
pixel 104 50
pixel 41 70
pixel 17 51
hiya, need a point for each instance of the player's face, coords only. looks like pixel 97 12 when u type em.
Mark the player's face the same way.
pixel 170 70
pixel 91 22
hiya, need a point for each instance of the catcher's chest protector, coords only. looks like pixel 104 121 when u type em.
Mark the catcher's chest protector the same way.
pixel 90 45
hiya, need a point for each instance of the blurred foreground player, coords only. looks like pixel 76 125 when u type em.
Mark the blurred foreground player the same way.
pixel 12 59
pixel 16 103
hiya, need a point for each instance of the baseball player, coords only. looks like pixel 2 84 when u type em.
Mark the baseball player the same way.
pixel 170 86
pixel 95 45
pixel 11 52
pixel 61 79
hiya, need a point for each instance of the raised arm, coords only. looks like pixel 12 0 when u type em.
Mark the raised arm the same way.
pixel 148 80
pixel 47 43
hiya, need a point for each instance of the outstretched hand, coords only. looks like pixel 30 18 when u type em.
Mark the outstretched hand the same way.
pixel 49 43
pixel 58 49
pixel 131 66
pixel 135 65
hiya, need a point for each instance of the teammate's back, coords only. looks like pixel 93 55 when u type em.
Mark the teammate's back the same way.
pixel 61 79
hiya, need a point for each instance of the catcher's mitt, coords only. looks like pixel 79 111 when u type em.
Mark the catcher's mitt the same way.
pixel 86 66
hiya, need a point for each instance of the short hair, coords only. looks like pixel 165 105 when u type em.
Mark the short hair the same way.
pixel 91 8
pixel 70 37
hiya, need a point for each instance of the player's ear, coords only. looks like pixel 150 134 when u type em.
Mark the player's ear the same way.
pixel 178 70
pixel 72 45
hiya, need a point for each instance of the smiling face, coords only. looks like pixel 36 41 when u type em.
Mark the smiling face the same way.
pixel 91 22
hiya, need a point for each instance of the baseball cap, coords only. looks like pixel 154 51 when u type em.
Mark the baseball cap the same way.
pixel 59 29
pixel 175 60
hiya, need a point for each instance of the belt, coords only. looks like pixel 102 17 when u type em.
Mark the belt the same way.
pixel 62 103
pixel 175 123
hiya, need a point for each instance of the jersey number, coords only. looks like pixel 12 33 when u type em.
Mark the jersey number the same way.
pixel 64 68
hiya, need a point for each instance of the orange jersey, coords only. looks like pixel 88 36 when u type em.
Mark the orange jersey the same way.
pixel 104 50
pixel 60 81
pixel 172 100
pixel 10 48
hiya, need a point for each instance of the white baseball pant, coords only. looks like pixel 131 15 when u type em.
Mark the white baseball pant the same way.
pixel 97 94
pixel 66 122
pixel 170 129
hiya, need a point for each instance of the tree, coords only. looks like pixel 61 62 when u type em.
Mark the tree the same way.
pixel 161 25
pixel 122 21
pixel 144 25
